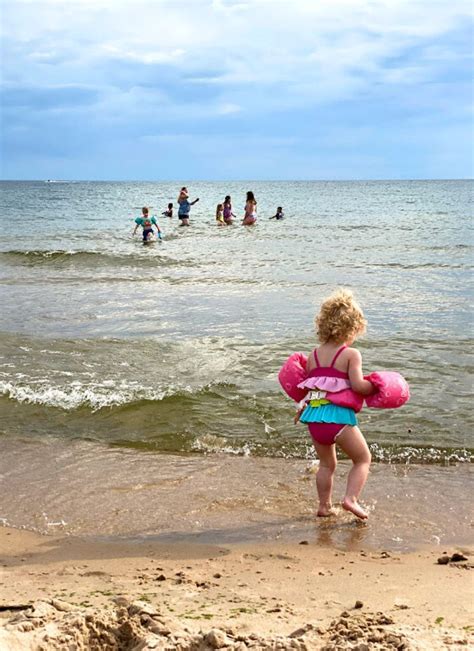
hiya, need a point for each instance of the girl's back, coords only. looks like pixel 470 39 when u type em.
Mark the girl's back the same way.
pixel 328 355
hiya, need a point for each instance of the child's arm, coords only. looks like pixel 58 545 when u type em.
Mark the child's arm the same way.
pixel 195 201
pixel 356 378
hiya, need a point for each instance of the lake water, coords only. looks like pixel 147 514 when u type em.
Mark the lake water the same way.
pixel 172 349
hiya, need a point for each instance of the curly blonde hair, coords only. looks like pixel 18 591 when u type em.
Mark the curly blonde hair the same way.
pixel 340 318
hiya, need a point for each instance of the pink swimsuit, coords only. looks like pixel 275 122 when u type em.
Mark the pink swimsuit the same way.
pixel 326 433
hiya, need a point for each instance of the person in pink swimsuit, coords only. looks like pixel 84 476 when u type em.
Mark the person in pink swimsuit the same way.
pixel 250 216
pixel 332 367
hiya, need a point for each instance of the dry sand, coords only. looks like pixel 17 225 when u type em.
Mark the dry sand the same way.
pixel 67 593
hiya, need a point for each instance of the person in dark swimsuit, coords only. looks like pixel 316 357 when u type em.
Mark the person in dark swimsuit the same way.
pixel 169 211
pixel 279 214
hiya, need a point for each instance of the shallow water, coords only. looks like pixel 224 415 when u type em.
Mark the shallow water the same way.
pixel 173 348
pixel 91 490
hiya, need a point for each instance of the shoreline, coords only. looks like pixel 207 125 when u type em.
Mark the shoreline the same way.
pixel 98 492
pixel 303 596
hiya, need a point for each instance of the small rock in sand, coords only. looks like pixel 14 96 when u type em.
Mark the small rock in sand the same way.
pixel 217 638
pixel 142 608
pixel 62 606
pixel 456 558
pixel 41 609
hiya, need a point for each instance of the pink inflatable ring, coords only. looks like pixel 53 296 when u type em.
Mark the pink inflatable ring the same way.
pixel 392 390
pixel 293 372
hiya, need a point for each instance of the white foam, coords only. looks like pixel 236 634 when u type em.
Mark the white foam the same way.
pixel 96 396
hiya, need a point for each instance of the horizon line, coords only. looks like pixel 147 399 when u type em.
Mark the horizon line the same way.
pixel 178 181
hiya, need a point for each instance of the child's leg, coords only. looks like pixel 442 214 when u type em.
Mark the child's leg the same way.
pixel 353 443
pixel 325 477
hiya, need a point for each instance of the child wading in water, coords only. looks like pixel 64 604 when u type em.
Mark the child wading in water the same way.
pixel 220 214
pixel 335 366
pixel 279 214
pixel 169 211
pixel 147 223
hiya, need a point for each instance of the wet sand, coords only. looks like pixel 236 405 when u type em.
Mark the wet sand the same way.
pixel 88 489
pixel 57 592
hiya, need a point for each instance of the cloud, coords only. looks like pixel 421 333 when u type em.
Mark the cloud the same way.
pixel 47 98
pixel 241 67
pixel 146 57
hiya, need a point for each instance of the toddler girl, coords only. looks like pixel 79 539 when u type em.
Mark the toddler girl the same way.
pixel 332 367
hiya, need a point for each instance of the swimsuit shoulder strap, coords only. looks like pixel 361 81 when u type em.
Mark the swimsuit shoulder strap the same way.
pixel 338 352
pixel 316 358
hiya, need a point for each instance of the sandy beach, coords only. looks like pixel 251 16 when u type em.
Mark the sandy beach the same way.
pixel 71 593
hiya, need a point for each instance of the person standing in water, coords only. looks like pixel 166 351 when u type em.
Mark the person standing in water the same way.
pixel 250 216
pixel 335 366
pixel 184 206
pixel 228 214
pixel 147 223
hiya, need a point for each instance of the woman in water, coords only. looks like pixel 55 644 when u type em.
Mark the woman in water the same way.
pixel 228 214
pixel 250 216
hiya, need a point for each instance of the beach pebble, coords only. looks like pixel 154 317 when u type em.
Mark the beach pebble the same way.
pixel 358 604
pixel 142 608
pixel 456 558
pixel 41 609
pixel 301 631
pixel 443 560
pixel 217 638
pixel 160 629
pixel 62 606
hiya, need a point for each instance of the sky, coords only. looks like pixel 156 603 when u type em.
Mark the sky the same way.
pixel 236 89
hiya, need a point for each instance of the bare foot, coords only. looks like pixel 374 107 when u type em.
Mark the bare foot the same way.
pixel 326 511
pixel 354 507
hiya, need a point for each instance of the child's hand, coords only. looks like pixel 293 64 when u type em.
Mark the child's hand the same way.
pixel 296 418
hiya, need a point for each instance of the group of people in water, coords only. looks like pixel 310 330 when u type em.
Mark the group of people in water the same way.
pixel 224 214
